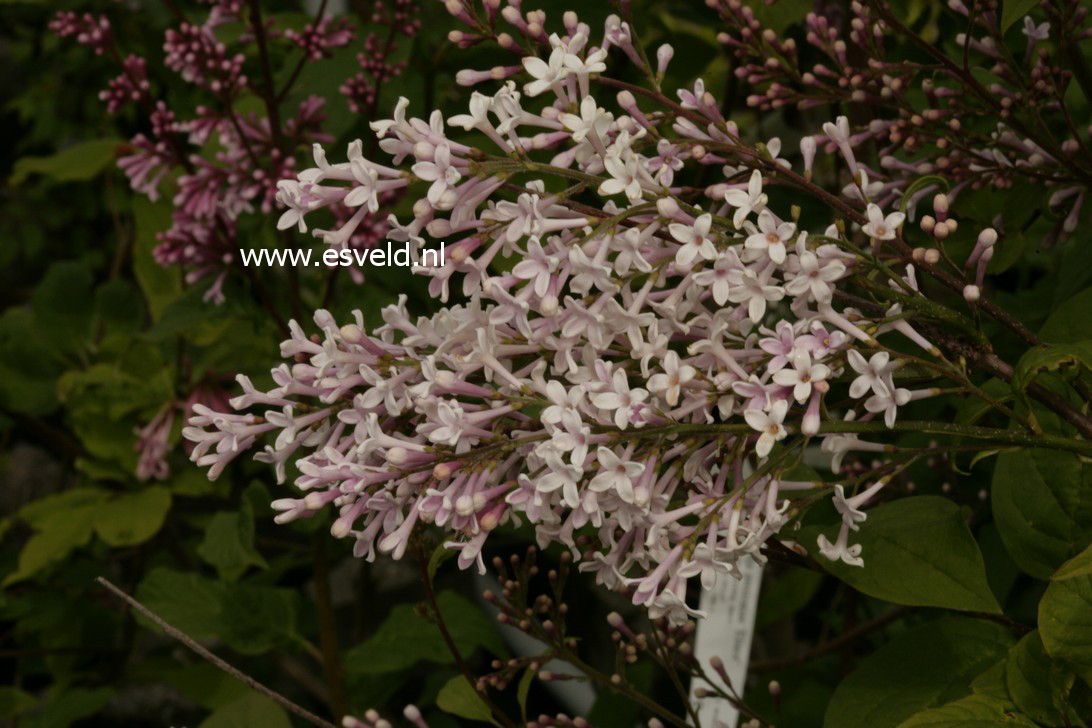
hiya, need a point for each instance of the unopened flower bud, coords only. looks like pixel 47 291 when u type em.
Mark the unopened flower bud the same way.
pixel 940 205
pixel 664 55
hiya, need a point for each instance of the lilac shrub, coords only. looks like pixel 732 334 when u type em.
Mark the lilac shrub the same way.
pixel 642 380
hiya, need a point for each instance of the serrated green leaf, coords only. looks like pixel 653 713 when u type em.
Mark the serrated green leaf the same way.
pixel 1041 508
pixel 917 551
pixel 924 667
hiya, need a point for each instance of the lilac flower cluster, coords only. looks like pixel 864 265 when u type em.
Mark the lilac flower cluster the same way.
pixel 639 370
pixel 254 150
pixel 974 133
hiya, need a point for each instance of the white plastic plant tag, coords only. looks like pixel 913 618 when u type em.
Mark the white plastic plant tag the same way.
pixel 726 633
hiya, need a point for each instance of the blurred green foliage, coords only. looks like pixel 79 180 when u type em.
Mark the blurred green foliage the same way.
pixel 96 339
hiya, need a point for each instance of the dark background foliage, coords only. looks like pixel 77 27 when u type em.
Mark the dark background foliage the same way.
pixel 95 338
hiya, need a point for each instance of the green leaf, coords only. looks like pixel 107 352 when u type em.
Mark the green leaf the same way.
pixel 65 707
pixel 469 626
pixel 1065 623
pixel 926 666
pixel 160 285
pixel 1014 10
pixel 29 365
pixel 991 683
pixel 250 711
pixel 439 555
pixel 1070 323
pixel 405 638
pixel 229 543
pixel 14 701
pixel 1079 565
pixel 63 304
pixel 777 17
pixel 1034 683
pixel 62 523
pixel 76 163
pixel 1041 508
pixel 249 618
pixel 459 698
pixel 133 518
pixel 203 683
pixel 1056 358
pixel 919 552
pixel 786 595
pixel 523 690
pixel 919 184
pixel 189 602
pixel 974 711
pixel 258 618
pixel 681 26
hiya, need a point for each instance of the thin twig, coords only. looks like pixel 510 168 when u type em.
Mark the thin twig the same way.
pixel 842 640
pixel 430 596
pixel 331 658
pixel 203 652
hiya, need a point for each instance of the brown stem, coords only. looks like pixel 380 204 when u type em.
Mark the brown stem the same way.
pixel 843 640
pixel 972 84
pixel 218 662
pixel 990 363
pixel 319 14
pixel 331 658
pixel 269 95
pixel 430 596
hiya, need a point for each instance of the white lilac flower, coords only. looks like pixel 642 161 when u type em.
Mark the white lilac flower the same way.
pixel 872 373
pixel 748 202
pixel 675 376
pixel 802 376
pixel 771 237
pixel 879 227
pixel 769 425
pixel 695 241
